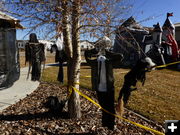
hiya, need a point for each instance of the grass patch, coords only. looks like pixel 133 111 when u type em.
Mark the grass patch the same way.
pixel 158 99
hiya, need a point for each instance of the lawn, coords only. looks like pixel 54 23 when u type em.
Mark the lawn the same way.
pixel 158 99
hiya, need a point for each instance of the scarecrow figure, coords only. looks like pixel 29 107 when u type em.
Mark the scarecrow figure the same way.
pixel 60 57
pixel 137 73
pixel 102 77
pixel 34 52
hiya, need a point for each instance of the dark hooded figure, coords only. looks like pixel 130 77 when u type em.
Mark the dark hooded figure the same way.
pixel 34 52
pixel 60 57
pixel 102 77
pixel 137 73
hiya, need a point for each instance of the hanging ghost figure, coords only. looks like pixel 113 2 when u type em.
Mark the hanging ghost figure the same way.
pixel 60 57
pixel 34 52
pixel 102 76
pixel 137 73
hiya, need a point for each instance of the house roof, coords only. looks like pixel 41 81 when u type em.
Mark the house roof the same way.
pixel 13 21
pixel 177 24
pixel 131 22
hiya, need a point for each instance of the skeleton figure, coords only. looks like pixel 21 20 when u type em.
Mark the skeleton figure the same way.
pixel 34 52
pixel 137 73
pixel 102 77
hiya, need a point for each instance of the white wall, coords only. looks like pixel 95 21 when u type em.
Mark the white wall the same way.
pixel 86 45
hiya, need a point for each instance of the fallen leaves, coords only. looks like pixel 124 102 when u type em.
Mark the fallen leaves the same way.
pixel 29 116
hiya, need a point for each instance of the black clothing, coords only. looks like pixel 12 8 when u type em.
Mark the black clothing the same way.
pixel 35 56
pixel 113 59
pixel 106 99
pixel 137 73
pixel 60 57
pixel 33 38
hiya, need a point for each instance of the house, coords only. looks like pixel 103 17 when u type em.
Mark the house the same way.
pixel 177 32
pixel 21 43
pixel 86 45
pixel 128 41
pixel 9 55
pixel 135 42
pixel 47 43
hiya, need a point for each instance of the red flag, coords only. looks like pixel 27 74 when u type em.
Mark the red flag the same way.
pixel 169 14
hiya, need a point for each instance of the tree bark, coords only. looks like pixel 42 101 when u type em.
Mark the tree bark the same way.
pixel 74 105
pixel 66 37
pixel 73 52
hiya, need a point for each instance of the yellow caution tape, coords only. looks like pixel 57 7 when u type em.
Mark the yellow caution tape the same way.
pixel 161 66
pixel 86 76
pixel 134 123
pixel 70 88
pixel 70 92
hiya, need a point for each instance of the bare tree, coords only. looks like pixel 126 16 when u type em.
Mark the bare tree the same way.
pixel 71 18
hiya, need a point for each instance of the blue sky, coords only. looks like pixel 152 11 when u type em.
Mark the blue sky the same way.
pixel 143 9
pixel 156 8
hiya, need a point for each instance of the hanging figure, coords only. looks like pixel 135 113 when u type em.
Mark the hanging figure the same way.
pixel 34 52
pixel 60 57
pixel 137 73
pixel 102 77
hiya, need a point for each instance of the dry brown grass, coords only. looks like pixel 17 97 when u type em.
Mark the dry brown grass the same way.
pixel 159 99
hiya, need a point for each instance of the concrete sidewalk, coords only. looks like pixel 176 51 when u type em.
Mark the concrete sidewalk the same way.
pixel 18 90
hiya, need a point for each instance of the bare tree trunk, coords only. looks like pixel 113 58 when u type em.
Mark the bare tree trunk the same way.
pixel 66 30
pixel 74 57
pixel 66 38
pixel 74 104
